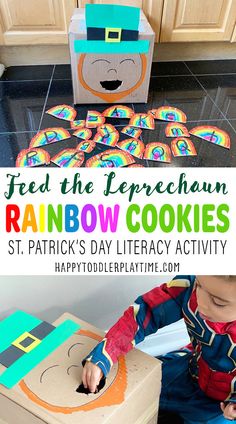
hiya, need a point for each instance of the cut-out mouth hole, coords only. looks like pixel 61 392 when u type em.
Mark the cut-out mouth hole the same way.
pixel 82 389
pixel 111 85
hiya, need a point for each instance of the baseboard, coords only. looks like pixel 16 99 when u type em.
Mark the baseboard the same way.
pixel 59 54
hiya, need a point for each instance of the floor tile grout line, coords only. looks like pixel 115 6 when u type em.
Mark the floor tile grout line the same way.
pixel 199 82
pixel 27 80
pixel 46 98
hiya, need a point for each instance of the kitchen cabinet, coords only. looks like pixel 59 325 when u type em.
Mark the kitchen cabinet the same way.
pixel 201 20
pixel 34 22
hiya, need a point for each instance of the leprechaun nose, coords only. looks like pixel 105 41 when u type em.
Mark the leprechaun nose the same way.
pixel 112 70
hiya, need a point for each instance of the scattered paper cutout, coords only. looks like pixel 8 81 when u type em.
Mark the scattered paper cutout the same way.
pixel 76 125
pixel 107 134
pixel 49 136
pixel 133 146
pixel 135 165
pixel 213 134
pixel 30 158
pixel 142 120
pixel 84 133
pixel 168 113
pixel 131 132
pixel 158 152
pixel 94 119
pixel 69 158
pixel 64 112
pixel 113 158
pixel 183 147
pixel 86 146
pixel 176 130
pixel 118 111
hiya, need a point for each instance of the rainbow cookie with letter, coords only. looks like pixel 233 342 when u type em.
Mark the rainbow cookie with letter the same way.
pixel 94 119
pixel 84 133
pixel 49 136
pixel 175 129
pixel 65 112
pixel 183 147
pixel 143 121
pixel 69 158
pixel 157 152
pixel 32 157
pixel 118 111
pixel 213 135
pixel 133 146
pixel 168 113
pixel 110 159
pixel 86 146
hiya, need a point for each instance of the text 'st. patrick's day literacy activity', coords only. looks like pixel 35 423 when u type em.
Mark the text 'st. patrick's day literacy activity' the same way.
pixel 41 374
pixel 111 50
pixel 65 112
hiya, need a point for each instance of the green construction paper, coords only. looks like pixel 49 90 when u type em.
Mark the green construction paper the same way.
pixel 14 326
pixel 114 16
pixel 124 47
pixel 26 363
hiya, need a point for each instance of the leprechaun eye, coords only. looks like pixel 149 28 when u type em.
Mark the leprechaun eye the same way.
pixel 127 60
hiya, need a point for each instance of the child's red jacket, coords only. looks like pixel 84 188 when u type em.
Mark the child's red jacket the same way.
pixel 213 363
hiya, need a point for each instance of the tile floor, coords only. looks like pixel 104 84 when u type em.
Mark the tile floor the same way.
pixel 205 91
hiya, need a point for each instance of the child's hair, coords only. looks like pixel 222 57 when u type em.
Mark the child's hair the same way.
pixel 227 277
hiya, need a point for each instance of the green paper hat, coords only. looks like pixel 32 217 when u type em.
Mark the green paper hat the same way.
pixel 112 29
pixel 25 341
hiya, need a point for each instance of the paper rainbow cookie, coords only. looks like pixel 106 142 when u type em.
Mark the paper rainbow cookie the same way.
pixel 113 158
pixel 86 146
pixel 69 158
pixel 76 125
pixel 135 165
pixel 133 146
pixel 168 113
pixel 107 134
pixel 176 130
pixel 109 139
pixel 30 157
pixel 84 133
pixel 49 136
pixel 131 132
pixel 94 119
pixel 158 152
pixel 118 111
pixel 212 134
pixel 183 147
pixel 65 112
pixel 142 120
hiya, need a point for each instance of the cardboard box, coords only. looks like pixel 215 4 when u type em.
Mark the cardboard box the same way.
pixel 47 394
pixel 107 66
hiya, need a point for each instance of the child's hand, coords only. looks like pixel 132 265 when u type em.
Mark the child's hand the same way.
pixel 91 376
pixel 229 410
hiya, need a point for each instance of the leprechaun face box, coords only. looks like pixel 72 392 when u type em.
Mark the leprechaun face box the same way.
pixel 111 50
pixel 40 375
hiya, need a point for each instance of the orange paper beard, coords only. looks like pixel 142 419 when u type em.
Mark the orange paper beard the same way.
pixel 113 395
pixel 111 97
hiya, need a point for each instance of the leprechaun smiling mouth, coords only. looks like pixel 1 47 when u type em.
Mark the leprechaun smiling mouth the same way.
pixel 111 85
